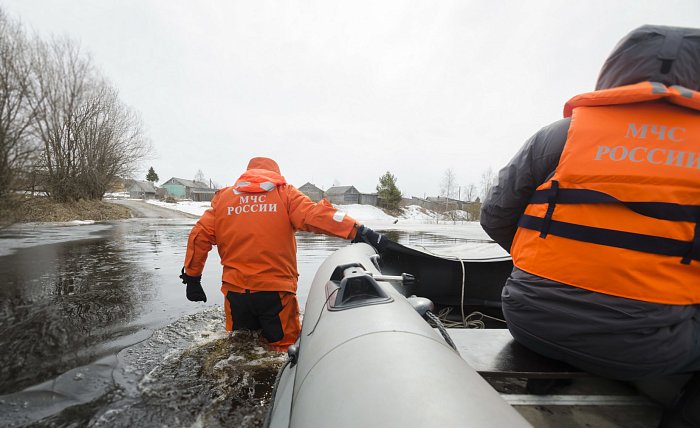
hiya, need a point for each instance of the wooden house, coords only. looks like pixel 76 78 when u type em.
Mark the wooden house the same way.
pixel 180 188
pixel 313 192
pixel 340 195
pixel 142 190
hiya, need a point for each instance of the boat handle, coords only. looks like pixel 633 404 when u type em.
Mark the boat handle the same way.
pixel 405 278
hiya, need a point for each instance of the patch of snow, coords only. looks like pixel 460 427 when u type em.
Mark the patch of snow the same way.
pixel 190 207
pixel 116 195
pixel 418 213
pixel 81 222
pixel 371 215
pixel 366 213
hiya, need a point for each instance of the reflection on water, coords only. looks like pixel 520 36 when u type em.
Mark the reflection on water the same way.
pixel 97 331
pixel 63 300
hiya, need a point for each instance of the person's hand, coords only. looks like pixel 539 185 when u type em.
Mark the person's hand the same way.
pixel 376 240
pixel 194 290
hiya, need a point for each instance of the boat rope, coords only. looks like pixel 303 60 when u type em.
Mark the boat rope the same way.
pixel 331 294
pixel 461 303
pixel 473 320
pixel 466 321
pixel 441 328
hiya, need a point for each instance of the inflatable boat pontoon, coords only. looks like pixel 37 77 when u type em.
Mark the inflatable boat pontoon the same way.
pixel 367 357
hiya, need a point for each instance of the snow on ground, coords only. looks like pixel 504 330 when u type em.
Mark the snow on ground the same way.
pixel 412 219
pixel 366 213
pixel 116 195
pixel 363 213
pixel 418 214
pixel 191 207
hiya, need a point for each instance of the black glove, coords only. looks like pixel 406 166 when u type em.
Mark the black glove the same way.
pixel 194 290
pixel 377 240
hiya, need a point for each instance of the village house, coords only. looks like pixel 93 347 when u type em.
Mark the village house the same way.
pixel 345 195
pixel 180 188
pixel 342 195
pixel 313 192
pixel 142 190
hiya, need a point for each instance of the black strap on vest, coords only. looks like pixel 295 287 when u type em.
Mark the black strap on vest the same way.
pixel 552 194
pixel 658 210
pixel 688 250
pixel 694 253
pixel 614 238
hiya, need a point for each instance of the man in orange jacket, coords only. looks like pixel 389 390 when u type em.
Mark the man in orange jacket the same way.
pixel 252 223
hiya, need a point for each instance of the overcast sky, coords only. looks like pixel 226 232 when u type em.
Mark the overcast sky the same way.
pixel 341 92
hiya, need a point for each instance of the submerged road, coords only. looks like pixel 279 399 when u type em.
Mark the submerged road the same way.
pixel 141 209
pixel 96 329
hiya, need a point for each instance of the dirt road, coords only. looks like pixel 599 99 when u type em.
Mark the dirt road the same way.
pixel 145 210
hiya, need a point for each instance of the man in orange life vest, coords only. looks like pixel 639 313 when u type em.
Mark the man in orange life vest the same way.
pixel 601 214
pixel 252 224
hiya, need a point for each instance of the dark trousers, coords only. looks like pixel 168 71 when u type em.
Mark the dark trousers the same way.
pixel 274 313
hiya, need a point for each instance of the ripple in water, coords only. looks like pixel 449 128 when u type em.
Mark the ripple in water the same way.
pixel 191 373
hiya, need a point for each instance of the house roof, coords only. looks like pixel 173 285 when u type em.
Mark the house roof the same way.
pixel 143 186
pixel 189 183
pixel 340 190
pixel 308 186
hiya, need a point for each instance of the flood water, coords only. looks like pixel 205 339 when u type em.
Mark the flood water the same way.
pixel 95 329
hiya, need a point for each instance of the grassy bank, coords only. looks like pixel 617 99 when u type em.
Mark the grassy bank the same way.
pixel 41 209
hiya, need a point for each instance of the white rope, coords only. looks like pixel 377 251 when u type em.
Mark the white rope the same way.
pixel 461 305
pixel 464 280
pixel 473 320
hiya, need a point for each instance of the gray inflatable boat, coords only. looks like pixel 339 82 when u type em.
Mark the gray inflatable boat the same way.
pixel 366 357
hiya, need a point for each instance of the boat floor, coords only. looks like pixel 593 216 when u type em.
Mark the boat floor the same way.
pixel 549 393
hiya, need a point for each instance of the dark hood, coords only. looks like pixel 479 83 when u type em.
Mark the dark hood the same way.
pixel 669 55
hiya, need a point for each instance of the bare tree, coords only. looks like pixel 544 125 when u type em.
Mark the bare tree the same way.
pixel 17 103
pixel 488 179
pixel 110 141
pixel 89 137
pixel 473 207
pixel 469 192
pixel 448 186
pixel 199 177
pixel 62 78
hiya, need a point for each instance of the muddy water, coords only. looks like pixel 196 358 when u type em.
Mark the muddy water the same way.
pixel 95 329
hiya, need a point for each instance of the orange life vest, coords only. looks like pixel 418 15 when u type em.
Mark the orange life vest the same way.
pixel 621 213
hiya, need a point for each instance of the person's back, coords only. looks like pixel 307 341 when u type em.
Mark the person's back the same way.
pixel 605 206
pixel 253 223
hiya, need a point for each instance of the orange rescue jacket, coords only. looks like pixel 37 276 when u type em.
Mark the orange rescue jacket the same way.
pixel 253 222
pixel 621 213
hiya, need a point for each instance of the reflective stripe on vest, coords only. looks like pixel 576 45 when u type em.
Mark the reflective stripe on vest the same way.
pixel 620 214
pixel 257 181
pixel 248 187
